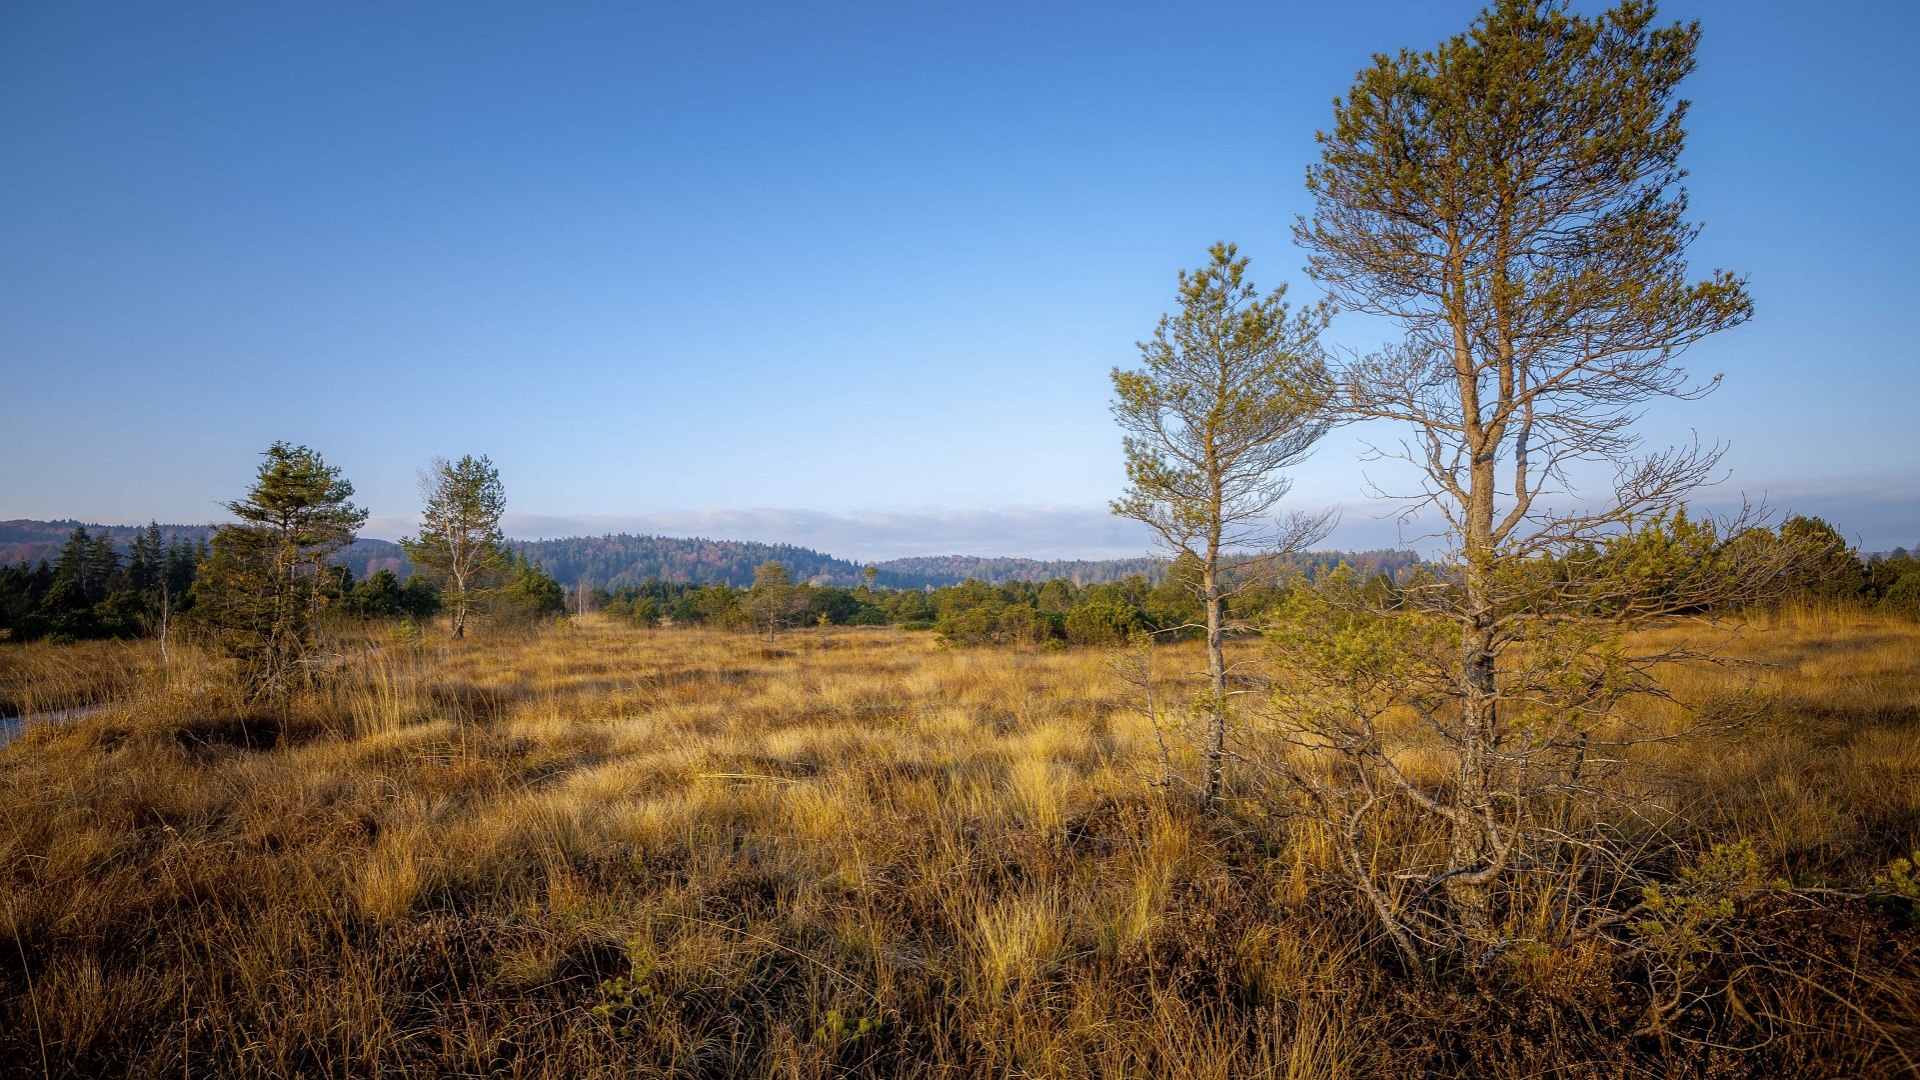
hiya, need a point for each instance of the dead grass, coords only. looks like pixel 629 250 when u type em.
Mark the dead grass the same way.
pixel 601 851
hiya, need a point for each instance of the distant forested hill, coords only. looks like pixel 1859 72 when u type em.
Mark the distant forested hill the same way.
pixel 623 559
pixel 941 570
pixel 938 570
pixel 24 540
pixel 1386 561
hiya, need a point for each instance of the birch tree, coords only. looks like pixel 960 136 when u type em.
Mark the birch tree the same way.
pixel 774 599
pixel 460 539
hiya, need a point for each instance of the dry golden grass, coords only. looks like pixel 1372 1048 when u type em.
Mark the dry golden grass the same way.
pixel 603 851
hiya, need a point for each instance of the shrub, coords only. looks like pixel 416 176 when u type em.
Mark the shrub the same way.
pixel 1101 622
pixel 1904 597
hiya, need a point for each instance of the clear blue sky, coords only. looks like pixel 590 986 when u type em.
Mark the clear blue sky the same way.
pixel 847 274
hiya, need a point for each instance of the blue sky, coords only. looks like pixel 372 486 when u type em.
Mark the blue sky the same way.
pixel 850 275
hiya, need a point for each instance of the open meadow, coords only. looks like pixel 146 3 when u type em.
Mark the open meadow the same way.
pixel 1235 541
pixel 599 850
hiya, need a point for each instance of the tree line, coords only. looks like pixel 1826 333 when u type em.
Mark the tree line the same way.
pixel 971 613
pixel 92 590
pixel 1165 607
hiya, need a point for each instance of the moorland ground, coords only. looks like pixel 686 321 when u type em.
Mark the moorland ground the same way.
pixel 598 850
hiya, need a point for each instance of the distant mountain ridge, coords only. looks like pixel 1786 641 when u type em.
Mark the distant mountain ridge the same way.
pixel 622 558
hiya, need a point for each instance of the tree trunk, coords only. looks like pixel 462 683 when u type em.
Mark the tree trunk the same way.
pixel 1470 846
pixel 1216 747
pixel 166 619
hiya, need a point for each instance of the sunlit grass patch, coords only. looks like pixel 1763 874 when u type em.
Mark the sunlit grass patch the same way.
pixel 626 852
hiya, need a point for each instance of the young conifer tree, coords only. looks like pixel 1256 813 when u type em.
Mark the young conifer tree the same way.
pixel 262 588
pixel 1227 396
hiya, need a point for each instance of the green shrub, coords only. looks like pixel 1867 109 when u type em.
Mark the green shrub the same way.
pixel 1101 622
pixel 1904 597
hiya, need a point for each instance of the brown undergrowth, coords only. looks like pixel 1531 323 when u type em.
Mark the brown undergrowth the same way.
pixel 603 851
